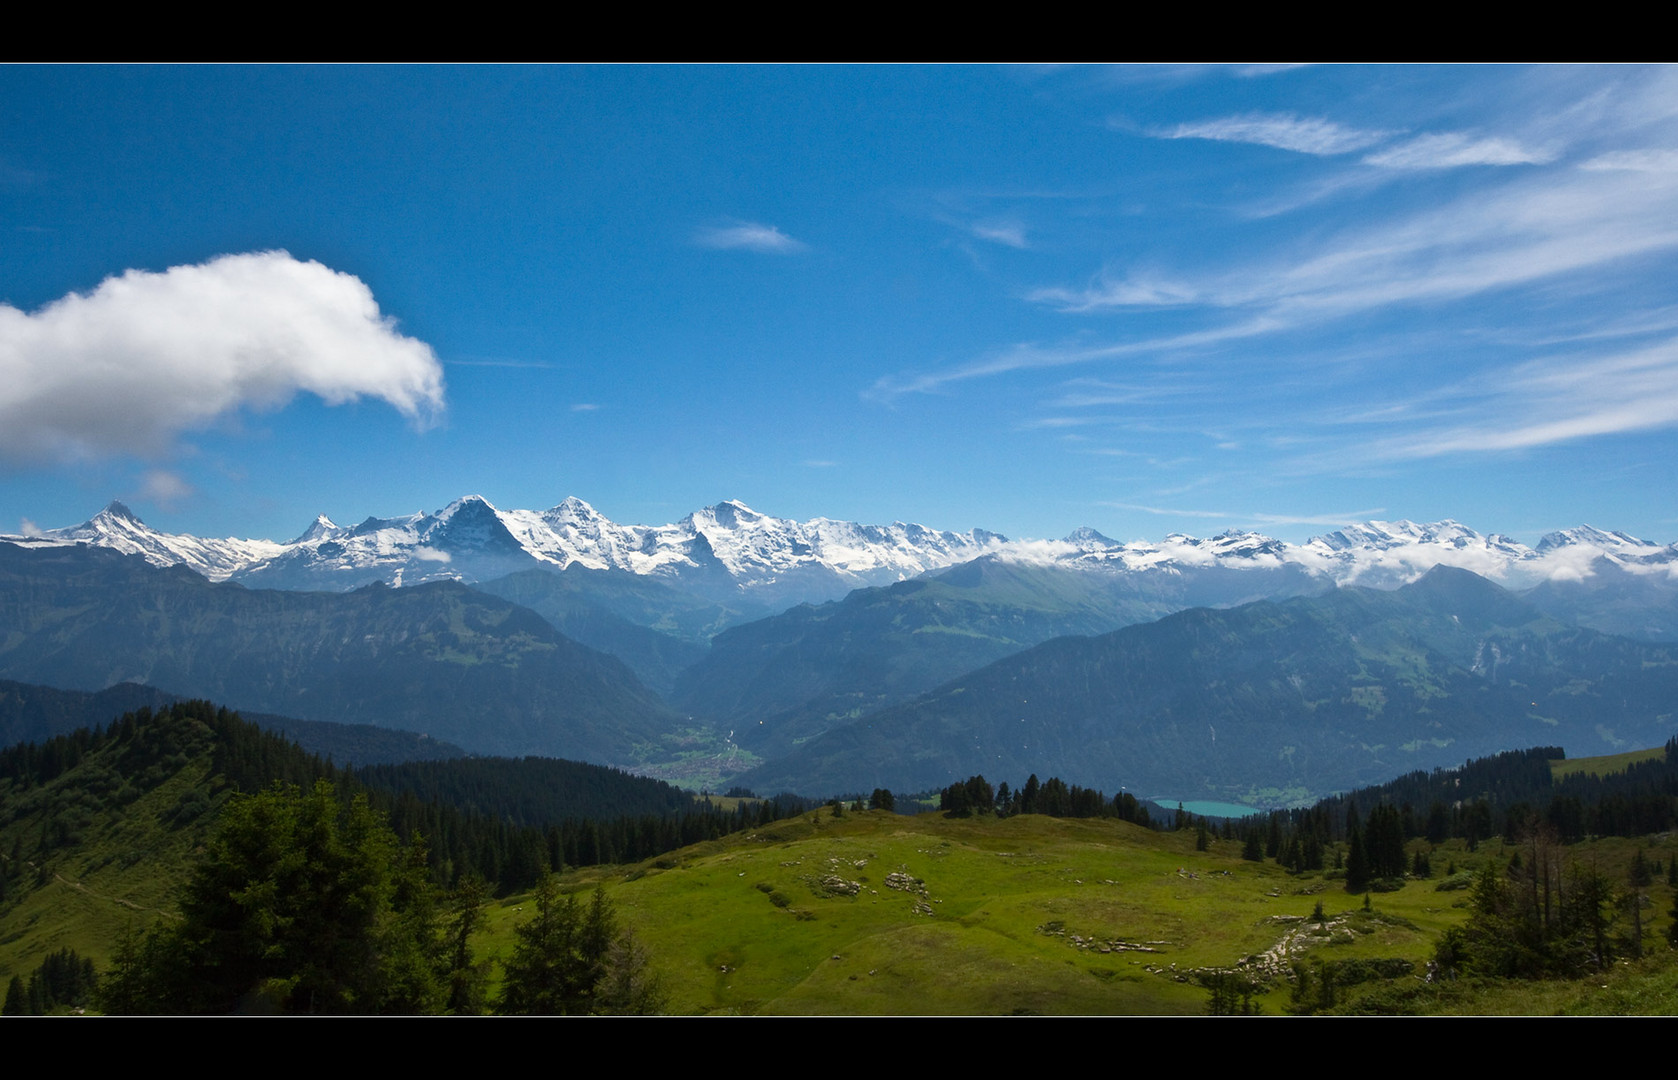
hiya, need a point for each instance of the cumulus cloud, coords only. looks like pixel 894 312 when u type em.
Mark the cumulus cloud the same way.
pixel 1304 135
pixel 145 356
pixel 748 236
pixel 1451 150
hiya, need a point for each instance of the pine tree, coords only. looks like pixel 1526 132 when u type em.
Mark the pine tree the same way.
pixel 302 903
pixel 466 977
pixel 1357 859
pixel 561 955
pixel 17 998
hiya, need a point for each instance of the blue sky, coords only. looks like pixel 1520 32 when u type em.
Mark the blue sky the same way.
pixel 1145 299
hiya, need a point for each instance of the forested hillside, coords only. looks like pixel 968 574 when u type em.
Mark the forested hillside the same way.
pixel 442 659
pixel 99 829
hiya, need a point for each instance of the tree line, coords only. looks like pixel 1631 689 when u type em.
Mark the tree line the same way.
pixel 497 831
pixel 1054 798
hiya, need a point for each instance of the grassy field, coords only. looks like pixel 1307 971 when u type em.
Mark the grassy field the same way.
pixel 1605 764
pixel 90 894
pixel 873 913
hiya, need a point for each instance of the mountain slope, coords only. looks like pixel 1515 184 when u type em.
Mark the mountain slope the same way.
pixel 1269 701
pixel 439 659
pixel 781 680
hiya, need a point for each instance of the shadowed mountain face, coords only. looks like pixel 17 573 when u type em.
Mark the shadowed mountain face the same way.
pixel 1614 600
pixel 1268 700
pixel 782 680
pixel 655 629
pixel 438 659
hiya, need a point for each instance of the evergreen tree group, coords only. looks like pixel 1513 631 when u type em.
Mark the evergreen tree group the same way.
pixel 64 980
pixel 1054 798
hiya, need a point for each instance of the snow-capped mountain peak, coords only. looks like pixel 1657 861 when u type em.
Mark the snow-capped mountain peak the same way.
pixel 729 550
pixel 1594 537
pixel 322 529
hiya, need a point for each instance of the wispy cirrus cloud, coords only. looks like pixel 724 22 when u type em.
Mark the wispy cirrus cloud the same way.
pixel 1026 357
pixel 1008 233
pixel 1650 160
pixel 748 236
pixel 1551 400
pixel 1284 131
pixel 1493 238
pixel 148 355
pixel 1106 291
pixel 1450 150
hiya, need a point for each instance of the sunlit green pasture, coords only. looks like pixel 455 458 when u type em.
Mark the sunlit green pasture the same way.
pixel 1023 915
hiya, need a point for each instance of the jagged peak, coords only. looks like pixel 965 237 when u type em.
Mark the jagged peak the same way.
pixel 731 513
pixel 573 505
pixel 466 502
pixel 1590 534
pixel 116 510
pixel 1083 534
pixel 321 526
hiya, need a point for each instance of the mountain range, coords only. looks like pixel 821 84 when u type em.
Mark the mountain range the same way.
pixel 730 553
pixel 749 640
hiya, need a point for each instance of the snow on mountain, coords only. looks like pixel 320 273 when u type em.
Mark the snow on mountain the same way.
pixel 731 550
pixel 118 528
pixel 726 549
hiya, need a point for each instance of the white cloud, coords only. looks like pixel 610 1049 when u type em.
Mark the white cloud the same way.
pixel 431 554
pixel 1551 401
pixel 1305 135
pixel 1028 357
pixel 585 406
pixel 748 236
pixel 29 528
pixel 1105 292
pixel 1544 226
pixel 1009 233
pixel 1453 149
pixel 165 487
pixel 1653 161
pixel 147 355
